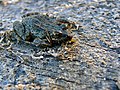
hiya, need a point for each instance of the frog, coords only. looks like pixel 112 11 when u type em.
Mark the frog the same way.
pixel 41 30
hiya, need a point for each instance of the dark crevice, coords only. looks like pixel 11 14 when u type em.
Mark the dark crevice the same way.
pixel 68 81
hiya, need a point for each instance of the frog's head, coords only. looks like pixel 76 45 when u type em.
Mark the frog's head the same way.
pixel 60 37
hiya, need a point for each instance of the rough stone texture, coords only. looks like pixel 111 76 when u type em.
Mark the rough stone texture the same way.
pixel 97 66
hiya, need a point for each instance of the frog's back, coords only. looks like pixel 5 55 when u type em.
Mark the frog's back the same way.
pixel 33 25
pixel 45 21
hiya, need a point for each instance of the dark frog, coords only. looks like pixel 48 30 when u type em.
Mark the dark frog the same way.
pixel 41 30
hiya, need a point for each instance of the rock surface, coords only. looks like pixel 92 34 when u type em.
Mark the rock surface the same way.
pixel 97 66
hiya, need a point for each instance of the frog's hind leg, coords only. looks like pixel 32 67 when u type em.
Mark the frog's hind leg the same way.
pixel 19 30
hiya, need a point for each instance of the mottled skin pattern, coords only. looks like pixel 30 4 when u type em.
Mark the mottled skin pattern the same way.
pixel 41 30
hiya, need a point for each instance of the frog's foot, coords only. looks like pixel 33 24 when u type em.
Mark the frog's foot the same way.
pixel 13 37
